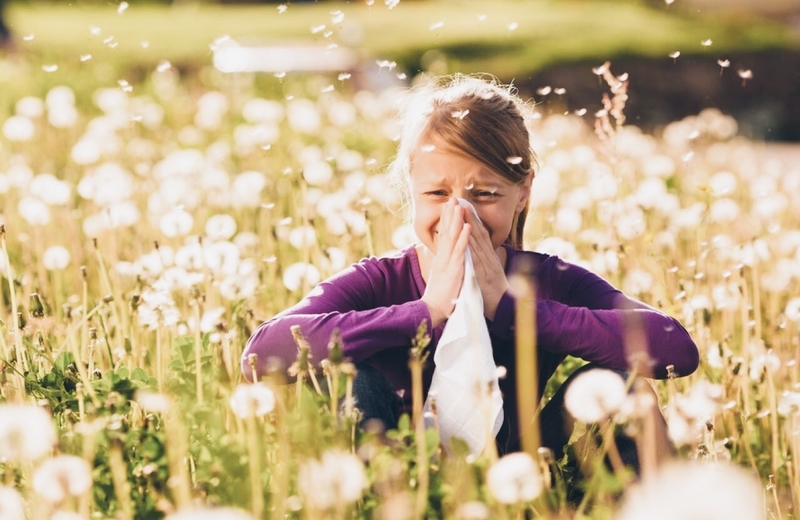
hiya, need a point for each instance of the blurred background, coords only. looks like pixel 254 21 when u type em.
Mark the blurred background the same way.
pixel 740 56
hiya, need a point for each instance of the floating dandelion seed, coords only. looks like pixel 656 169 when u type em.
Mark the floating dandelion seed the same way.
pixel 343 76
pixel 328 34
pixel 337 16
pixel 707 43
pixel 94 30
pixel 481 17
pixel 123 6
pixel 428 148
pixel 544 90
pixel 436 25
pixel 108 39
pixel 125 86
pixel 401 75
pixel 674 56
pixel 580 112
pixel 27 37
pixel 317 28
pixel 144 44
pixel 280 75
pixel 386 64
pixel 163 66
pixel 745 74
pixel 86 57
pixel 669 2
pixel 370 3
pixel 514 160
pixel 329 88
pixel 560 91
pixel 50 67
pixel 391 4
pixel 460 114
pixel 513 26
pixel 282 8
pixel 515 478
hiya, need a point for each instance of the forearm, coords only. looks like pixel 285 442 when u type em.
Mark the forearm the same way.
pixel 608 337
pixel 363 333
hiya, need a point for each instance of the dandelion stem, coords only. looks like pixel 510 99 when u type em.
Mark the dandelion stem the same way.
pixel 256 496
pixel 198 351
pixel 119 477
pixel 527 366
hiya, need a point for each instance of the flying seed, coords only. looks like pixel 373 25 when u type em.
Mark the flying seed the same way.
pixel 28 37
pixel 282 8
pixel 428 148
pixel 50 68
pixel 460 114
pixel 544 90
pixel 337 16
pixel 706 43
pixel 514 160
pixel 437 25
pixel 86 57
pixel 513 26
pixel 560 91
pixel 123 6
pixel 163 66
pixel 343 76
pixel 317 28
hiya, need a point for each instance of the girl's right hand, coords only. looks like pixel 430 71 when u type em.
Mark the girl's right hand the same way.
pixel 447 267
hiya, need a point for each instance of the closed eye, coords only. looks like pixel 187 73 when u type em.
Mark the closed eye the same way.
pixel 485 195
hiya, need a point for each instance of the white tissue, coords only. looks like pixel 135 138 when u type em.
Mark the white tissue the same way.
pixel 465 372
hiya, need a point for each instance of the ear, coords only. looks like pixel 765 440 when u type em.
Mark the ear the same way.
pixel 524 193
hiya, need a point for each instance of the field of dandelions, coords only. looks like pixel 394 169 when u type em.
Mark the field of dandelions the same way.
pixel 149 226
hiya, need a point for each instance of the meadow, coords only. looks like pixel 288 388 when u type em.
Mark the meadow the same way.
pixel 150 222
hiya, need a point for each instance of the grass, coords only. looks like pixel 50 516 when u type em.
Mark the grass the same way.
pixel 545 32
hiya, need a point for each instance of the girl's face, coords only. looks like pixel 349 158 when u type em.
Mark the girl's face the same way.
pixel 438 174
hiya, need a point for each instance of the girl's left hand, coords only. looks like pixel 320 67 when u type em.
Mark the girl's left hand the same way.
pixel 489 269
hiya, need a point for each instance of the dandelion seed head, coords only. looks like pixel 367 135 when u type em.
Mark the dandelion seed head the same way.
pixel 674 55
pixel 26 432
pixel 56 258
pixel 60 477
pixel 176 223
pixel 724 63
pixel 691 489
pixel 336 479
pixel 30 107
pixel 153 401
pixel 250 400
pixel 595 395
pixel 209 513
pixel 745 73
pixel 12 506
pixel 514 479
pixel 19 128
pixel 295 274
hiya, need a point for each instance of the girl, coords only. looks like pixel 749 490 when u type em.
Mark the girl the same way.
pixel 467 138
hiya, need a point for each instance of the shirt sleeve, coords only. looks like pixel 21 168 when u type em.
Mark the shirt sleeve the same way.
pixel 353 303
pixel 580 314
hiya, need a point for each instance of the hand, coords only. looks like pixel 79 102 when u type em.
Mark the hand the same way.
pixel 447 267
pixel 489 269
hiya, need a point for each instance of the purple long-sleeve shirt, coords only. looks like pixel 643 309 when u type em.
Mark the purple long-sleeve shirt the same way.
pixel 376 306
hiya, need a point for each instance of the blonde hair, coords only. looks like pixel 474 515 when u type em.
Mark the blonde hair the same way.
pixel 476 117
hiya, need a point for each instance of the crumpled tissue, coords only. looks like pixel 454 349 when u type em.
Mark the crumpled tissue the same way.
pixel 469 405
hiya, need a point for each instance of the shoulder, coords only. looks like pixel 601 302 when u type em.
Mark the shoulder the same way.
pixel 390 266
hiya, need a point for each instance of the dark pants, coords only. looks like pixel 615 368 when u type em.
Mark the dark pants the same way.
pixel 377 400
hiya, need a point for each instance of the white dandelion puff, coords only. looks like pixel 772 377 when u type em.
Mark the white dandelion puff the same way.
pixel 221 226
pixel 19 128
pixel 250 400
pixel 712 491
pixel 595 395
pixel 56 258
pixel 515 478
pixel 12 506
pixel 63 476
pixel 295 274
pixel 338 478
pixel 26 432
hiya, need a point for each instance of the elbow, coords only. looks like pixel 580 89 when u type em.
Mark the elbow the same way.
pixel 683 357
